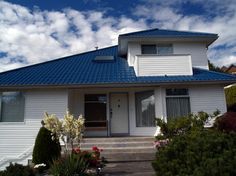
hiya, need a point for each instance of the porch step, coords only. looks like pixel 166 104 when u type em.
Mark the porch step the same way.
pixel 117 149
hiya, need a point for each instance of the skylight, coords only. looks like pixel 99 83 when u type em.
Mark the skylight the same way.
pixel 103 58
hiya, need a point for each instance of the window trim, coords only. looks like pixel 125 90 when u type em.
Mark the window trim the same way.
pixel 23 122
pixel 158 45
pixel 136 124
pixel 177 96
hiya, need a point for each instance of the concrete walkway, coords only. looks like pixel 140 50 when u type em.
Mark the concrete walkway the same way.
pixel 138 168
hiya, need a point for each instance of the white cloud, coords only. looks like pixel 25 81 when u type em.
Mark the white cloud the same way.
pixel 168 14
pixel 35 35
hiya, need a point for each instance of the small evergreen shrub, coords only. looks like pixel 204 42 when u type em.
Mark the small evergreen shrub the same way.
pixel 17 170
pixel 45 149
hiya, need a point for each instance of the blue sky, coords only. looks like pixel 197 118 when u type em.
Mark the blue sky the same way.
pixel 33 31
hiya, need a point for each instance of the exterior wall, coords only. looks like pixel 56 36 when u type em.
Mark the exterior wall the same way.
pixel 51 101
pixel 17 138
pixel 154 65
pixel 207 98
pixel 133 50
pixel 76 105
pixel 197 51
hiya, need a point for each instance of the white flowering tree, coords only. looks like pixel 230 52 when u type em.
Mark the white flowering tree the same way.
pixel 69 130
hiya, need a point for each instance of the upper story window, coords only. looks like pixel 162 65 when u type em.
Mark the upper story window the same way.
pixel 149 49
pixel 12 106
pixel 160 49
pixel 163 49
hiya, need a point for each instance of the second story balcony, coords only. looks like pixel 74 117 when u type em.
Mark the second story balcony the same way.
pixel 161 65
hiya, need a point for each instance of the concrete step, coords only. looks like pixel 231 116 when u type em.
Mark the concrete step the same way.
pixel 117 139
pixel 121 149
pixel 117 144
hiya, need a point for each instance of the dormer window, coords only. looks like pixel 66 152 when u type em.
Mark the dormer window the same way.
pixel 160 49
pixel 149 49
pixel 164 49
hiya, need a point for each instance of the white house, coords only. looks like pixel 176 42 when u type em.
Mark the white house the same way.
pixel 120 90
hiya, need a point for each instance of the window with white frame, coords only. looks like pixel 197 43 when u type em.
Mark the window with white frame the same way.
pixel 12 107
pixel 145 109
pixel 177 103
pixel 160 49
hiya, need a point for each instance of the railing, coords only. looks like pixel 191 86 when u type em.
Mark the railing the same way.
pixel 20 157
pixel 162 65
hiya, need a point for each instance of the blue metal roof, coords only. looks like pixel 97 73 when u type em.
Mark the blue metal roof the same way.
pixel 81 70
pixel 168 33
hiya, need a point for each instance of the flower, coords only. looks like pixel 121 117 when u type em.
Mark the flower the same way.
pixel 76 150
pixel 95 148
pixel 161 143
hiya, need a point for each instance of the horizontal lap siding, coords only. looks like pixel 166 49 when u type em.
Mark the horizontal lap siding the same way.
pixel 164 65
pixel 17 138
pixel 208 99
pixel 38 102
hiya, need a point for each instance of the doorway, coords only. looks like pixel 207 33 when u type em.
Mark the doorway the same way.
pixel 119 118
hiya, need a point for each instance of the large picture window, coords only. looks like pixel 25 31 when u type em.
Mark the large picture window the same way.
pixel 95 110
pixel 12 107
pixel 145 109
pixel 177 103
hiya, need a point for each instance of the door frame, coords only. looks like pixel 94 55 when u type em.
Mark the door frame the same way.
pixel 110 118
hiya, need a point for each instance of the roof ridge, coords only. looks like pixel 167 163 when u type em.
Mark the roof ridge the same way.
pixel 57 59
pixel 146 30
pixel 171 30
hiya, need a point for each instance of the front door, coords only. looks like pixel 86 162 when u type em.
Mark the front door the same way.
pixel 119 114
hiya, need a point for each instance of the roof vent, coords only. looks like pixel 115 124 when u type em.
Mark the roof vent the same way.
pixel 104 59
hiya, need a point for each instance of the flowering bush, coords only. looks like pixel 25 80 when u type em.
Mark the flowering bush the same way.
pixel 67 130
pixel 93 157
pixel 161 143
pixel 78 163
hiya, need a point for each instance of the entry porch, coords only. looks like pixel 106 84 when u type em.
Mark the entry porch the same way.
pixel 116 111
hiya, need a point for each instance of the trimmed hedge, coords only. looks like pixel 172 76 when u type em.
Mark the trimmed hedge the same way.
pixel 206 152
pixel 45 149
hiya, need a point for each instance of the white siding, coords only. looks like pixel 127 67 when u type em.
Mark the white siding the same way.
pixel 155 65
pixel 51 101
pixel 133 50
pixel 17 139
pixel 197 51
pixel 207 99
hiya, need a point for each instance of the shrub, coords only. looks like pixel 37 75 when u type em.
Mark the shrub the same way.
pixel 17 170
pixel 201 152
pixel 68 130
pixel 92 157
pixel 69 165
pixel 45 149
pixel 227 122
pixel 182 125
